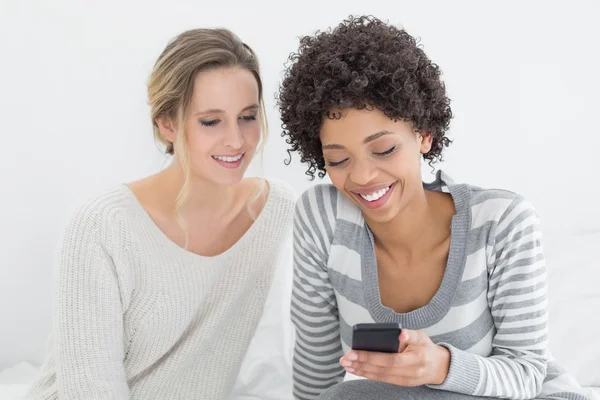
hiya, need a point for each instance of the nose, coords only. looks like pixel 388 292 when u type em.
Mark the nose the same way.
pixel 234 138
pixel 362 173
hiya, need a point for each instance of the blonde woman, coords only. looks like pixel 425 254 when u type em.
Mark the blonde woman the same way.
pixel 161 282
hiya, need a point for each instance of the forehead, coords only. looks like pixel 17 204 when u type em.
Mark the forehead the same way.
pixel 224 88
pixel 355 125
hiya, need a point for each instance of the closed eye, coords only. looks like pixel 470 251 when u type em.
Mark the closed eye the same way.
pixel 215 122
pixel 249 117
pixel 212 122
pixel 336 163
pixel 387 152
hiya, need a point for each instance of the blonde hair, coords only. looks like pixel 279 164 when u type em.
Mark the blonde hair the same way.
pixel 171 85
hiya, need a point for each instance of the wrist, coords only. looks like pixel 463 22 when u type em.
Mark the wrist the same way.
pixel 442 365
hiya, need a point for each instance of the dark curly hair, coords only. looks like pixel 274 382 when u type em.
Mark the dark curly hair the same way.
pixel 362 63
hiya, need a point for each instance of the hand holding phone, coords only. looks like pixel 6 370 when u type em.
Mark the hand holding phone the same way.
pixel 379 337
pixel 376 355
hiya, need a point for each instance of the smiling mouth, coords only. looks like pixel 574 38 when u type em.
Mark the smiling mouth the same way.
pixel 375 198
pixel 375 195
pixel 229 159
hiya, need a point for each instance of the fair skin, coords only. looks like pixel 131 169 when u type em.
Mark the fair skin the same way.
pixel 223 130
pixel 376 163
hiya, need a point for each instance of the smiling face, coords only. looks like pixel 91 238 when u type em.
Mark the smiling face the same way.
pixel 222 125
pixel 223 129
pixel 374 161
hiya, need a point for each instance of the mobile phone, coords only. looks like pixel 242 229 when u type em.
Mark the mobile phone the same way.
pixel 383 338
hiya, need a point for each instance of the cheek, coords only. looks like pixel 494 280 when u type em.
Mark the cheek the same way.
pixel 200 144
pixel 252 134
pixel 337 177
pixel 403 165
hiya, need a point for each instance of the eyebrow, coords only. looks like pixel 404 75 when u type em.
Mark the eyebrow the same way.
pixel 368 139
pixel 217 110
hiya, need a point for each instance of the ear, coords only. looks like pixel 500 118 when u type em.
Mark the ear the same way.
pixel 167 128
pixel 426 140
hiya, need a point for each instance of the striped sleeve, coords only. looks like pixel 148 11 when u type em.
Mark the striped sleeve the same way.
pixel 314 308
pixel 517 299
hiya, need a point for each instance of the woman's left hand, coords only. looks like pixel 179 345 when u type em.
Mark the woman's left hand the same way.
pixel 418 362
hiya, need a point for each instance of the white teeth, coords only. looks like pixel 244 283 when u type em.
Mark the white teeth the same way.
pixel 228 159
pixel 376 195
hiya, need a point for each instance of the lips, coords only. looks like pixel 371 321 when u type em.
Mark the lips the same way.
pixel 371 189
pixel 229 158
pixel 230 161
pixel 374 196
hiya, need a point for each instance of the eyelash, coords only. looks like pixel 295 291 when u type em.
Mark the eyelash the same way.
pixel 335 164
pixel 387 152
pixel 383 154
pixel 214 122
pixel 209 123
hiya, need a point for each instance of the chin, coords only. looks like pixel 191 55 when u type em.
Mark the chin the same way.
pixel 233 179
pixel 379 216
pixel 218 178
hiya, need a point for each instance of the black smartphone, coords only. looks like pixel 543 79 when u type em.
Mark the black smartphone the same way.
pixel 383 338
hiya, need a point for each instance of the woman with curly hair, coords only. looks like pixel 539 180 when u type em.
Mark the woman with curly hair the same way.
pixel 461 268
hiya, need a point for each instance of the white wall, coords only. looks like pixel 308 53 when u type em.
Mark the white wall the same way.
pixel 523 79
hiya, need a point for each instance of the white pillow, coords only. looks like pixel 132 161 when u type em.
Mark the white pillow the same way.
pixel 574 305
pixel 266 371
pixel 15 381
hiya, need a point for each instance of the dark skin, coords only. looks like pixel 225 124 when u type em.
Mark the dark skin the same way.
pixel 376 163
pixel 410 273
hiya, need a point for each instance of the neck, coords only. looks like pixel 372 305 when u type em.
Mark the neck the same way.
pixel 416 227
pixel 204 198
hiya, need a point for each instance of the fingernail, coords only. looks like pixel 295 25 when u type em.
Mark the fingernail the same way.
pixel 346 363
pixel 353 356
pixel 351 370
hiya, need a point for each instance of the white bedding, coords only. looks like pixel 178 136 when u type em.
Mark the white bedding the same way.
pixel 573 301
pixel 15 380
pixel 574 290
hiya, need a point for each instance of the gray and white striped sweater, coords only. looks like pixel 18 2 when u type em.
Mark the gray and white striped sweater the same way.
pixel 490 310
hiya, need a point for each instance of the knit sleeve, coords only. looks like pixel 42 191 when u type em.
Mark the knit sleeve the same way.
pixel 88 315
pixel 517 299
pixel 314 307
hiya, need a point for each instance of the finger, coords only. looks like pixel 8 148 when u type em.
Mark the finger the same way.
pixel 416 337
pixel 408 365
pixel 348 360
pixel 409 336
pixel 345 361
pixel 360 368
pixel 375 358
pixel 395 380
pixel 386 360
pixel 403 342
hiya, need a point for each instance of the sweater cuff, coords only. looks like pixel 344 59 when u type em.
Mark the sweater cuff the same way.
pixel 463 375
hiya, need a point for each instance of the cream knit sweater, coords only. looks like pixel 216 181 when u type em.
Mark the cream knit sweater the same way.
pixel 138 317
